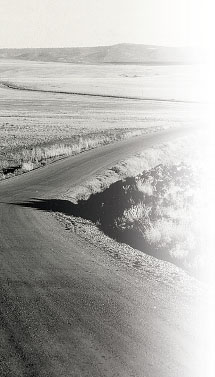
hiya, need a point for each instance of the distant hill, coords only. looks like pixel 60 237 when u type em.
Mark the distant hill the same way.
pixel 120 53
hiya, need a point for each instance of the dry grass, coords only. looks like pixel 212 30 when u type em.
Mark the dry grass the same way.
pixel 19 159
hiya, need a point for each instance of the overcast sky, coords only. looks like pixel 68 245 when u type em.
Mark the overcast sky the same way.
pixel 65 23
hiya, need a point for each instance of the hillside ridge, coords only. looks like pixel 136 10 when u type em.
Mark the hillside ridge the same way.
pixel 118 53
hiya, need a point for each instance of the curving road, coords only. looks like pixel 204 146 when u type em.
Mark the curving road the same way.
pixel 67 309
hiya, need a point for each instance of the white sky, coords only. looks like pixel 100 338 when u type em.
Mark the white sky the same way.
pixel 65 23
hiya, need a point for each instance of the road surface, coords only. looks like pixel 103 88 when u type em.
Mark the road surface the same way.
pixel 67 309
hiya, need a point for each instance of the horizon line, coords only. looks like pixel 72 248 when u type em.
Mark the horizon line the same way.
pixel 105 45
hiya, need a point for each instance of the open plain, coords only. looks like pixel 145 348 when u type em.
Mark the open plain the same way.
pixel 52 105
pixel 67 308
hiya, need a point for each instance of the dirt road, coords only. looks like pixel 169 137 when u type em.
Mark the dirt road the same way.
pixel 67 309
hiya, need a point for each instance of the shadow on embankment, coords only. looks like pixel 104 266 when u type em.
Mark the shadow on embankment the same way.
pixel 103 209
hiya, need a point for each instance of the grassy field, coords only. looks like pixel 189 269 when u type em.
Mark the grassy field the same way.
pixel 38 126
pixel 152 82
